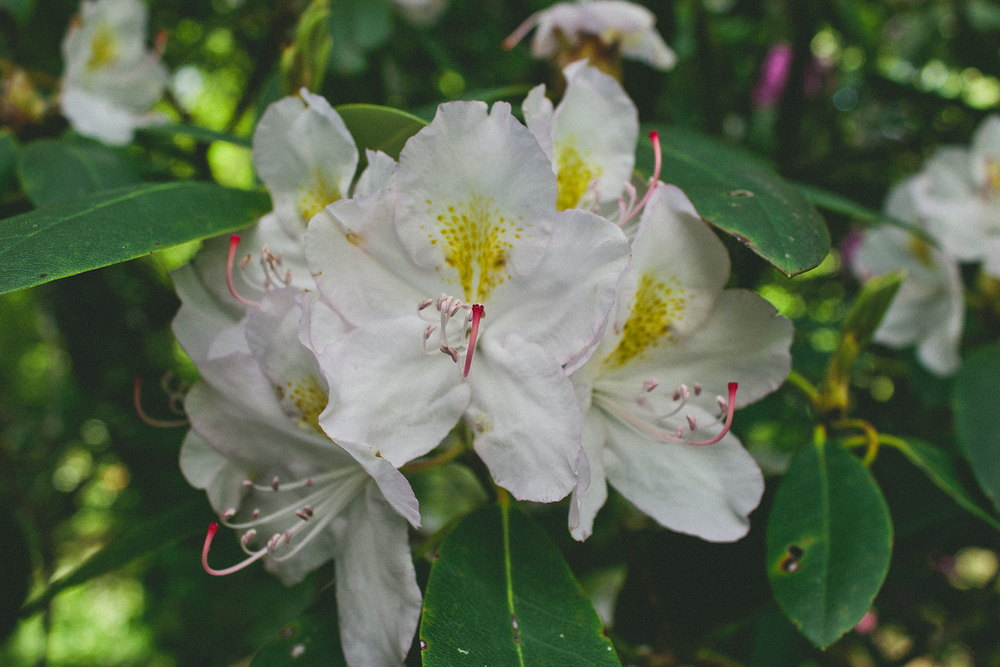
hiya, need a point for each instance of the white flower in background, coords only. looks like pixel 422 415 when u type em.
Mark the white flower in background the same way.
pixel 652 394
pixel 111 80
pixel 469 254
pixel 619 26
pixel 929 308
pixel 590 136
pixel 957 195
pixel 298 498
pixel 421 12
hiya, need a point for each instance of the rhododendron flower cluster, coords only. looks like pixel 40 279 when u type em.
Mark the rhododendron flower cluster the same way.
pixel 473 281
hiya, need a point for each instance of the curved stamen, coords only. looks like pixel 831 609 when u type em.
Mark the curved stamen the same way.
pixel 478 312
pixel 654 137
pixel 234 241
pixel 159 423
pixel 519 32
pixel 730 409
pixel 229 570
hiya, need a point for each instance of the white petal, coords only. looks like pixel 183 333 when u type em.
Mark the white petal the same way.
pixel 380 173
pixel 563 304
pixel 360 266
pixel 305 155
pixel 205 468
pixel 587 502
pixel 538 111
pixel 703 491
pixel 377 595
pixel 476 199
pixel 525 418
pixel 385 391
pixel 595 129
pixel 94 116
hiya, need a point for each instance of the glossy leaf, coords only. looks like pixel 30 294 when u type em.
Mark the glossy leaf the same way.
pixel 940 469
pixel 311 640
pixel 54 171
pixel 109 227
pixel 149 536
pixel 829 541
pixel 741 195
pixel 8 158
pixel 15 563
pixel 202 134
pixel 500 593
pixel 379 128
pixel 976 403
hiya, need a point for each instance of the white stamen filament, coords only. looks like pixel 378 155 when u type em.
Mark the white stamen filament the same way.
pixel 449 307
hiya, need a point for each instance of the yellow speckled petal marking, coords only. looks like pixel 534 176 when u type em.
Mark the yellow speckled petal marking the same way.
pixel 477 239
pixel 103 48
pixel 574 175
pixel 315 196
pixel 308 397
pixel 657 306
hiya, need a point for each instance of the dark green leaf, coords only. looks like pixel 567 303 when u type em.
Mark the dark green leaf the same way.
pixel 379 128
pixel 938 466
pixel 175 524
pixel 15 563
pixel 741 195
pixel 311 640
pixel 829 541
pixel 54 171
pixel 870 307
pixel 202 134
pixel 500 593
pixel 8 159
pixel 110 227
pixel 19 9
pixel 976 402
pixel 357 26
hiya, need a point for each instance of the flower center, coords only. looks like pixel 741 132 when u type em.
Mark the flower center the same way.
pixel 576 178
pixel 274 272
pixel 657 306
pixel 448 342
pixel 103 48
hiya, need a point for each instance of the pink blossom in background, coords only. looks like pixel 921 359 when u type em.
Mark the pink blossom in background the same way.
pixel 773 76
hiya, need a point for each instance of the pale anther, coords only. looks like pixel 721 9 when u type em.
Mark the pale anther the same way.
pixel 228 514
pixel 692 422
pixel 274 483
pixel 697 389
pixel 309 482
pixel 247 536
pixel 247 483
pixel 451 352
pixel 650 385
pixel 426 303
pixel 273 542
pixel 288 536
pixel 254 514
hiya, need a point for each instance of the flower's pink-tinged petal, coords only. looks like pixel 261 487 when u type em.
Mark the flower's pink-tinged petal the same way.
pixel 563 304
pixel 594 132
pixel 385 391
pixel 360 266
pixel 704 491
pixel 305 155
pixel 525 418
pixel 476 199
pixel 377 594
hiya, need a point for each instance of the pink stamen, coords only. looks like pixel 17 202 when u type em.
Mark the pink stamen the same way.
pixel 654 137
pixel 229 570
pixel 478 312
pixel 730 409
pixel 159 423
pixel 234 241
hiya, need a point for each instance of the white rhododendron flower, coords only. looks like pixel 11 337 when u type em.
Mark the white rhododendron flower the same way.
pixel 590 137
pixel 657 390
pixel 929 309
pixel 617 24
pixel 469 253
pixel 306 157
pixel 957 195
pixel 111 80
pixel 297 497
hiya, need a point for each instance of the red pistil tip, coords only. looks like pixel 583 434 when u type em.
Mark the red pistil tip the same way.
pixel 234 241
pixel 212 529
pixel 478 312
